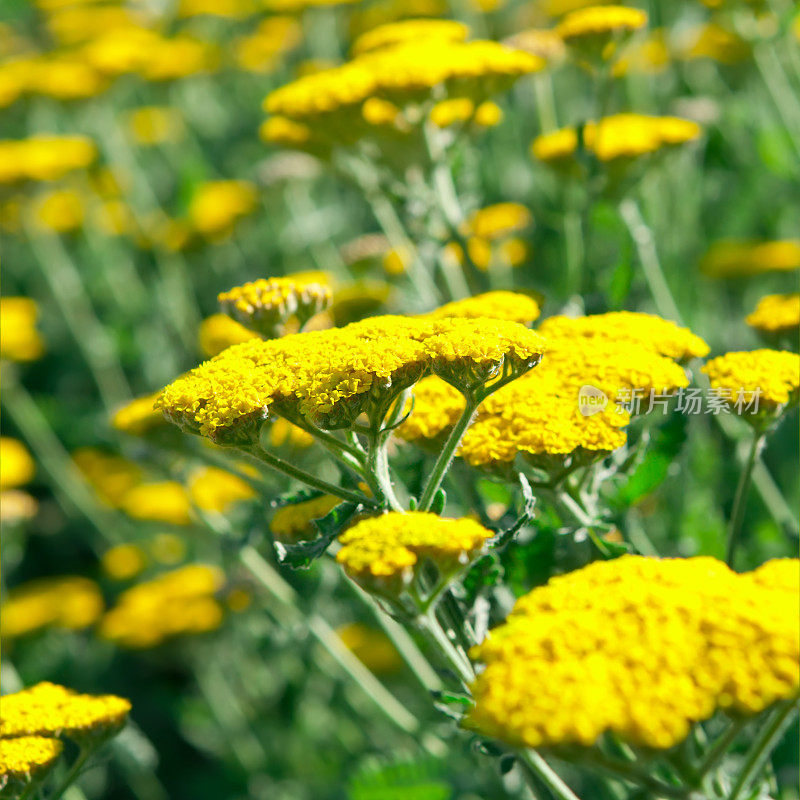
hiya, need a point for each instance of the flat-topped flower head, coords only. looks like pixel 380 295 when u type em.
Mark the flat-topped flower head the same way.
pixel 511 306
pixel 47 709
pixel 410 30
pixel 295 522
pixel 139 416
pixel 648 330
pixel 163 501
pixel 733 258
pixel 768 379
pixel 497 221
pixel 474 354
pixel 331 376
pixel 391 89
pixel 19 339
pixel 268 304
pixel 387 551
pixel 25 760
pixel 616 138
pixel 776 314
pixel 44 157
pixel 70 602
pixel 177 603
pixel 641 647
pixel 600 22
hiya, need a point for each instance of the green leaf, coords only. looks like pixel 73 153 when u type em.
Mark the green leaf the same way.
pixel 439 502
pixel 301 556
pixel 406 780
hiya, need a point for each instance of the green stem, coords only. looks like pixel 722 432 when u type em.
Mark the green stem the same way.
pixel 536 765
pixel 629 772
pixel 85 752
pixel 762 747
pixel 305 477
pixel 718 750
pixel 447 454
pixel 740 498
pixel 456 661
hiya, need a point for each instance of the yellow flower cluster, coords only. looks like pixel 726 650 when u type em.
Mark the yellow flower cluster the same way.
pixel 217 205
pixel 214 489
pixel 44 157
pixel 776 313
pixel 19 339
pixel 111 477
pixel 497 221
pixel 173 604
pixel 69 602
pixel 47 709
pixel 395 76
pixel 261 50
pixel 773 374
pixel 16 464
pixel 388 549
pixel 266 305
pixel 600 21
pixel 330 375
pixel 732 258
pixel 139 416
pixel 410 30
pixel 510 306
pixel 124 561
pixel 648 330
pixel 152 125
pixel 295 522
pixel 616 137
pixel 164 501
pixel 640 647
pixel 539 413
pixel 24 759
pixel 371 647
pixel 219 332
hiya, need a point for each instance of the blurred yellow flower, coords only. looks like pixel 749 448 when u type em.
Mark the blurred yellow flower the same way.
pixel 70 602
pixel 213 489
pixel 167 548
pixel 44 157
pixel 111 476
pixel 19 339
pixel 16 464
pixel 731 258
pixel 410 30
pixel 138 416
pixel 166 501
pixel 59 211
pixel 371 647
pixel 217 205
pixel 151 125
pixel 219 331
pixel 295 521
pixel 272 39
pixel 123 561
pixel 282 432
pixel 712 40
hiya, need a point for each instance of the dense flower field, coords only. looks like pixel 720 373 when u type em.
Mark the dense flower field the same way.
pixel 399 399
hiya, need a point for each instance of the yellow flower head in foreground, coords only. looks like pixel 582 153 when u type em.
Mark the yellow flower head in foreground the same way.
pixel 776 313
pixel 616 137
pixel 25 759
pixel 734 258
pixel 773 376
pixel 387 550
pixel 166 501
pixel 69 602
pixel 175 603
pixel 401 74
pixel 44 157
pixel 139 416
pixel 19 339
pixel 295 522
pixel 648 330
pixel 601 22
pixel 214 489
pixel 218 332
pixel 640 647
pixel 217 205
pixel 539 414
pixel 511 306
pixel 51 710
pixel 410 30
pixel 123 561
pixel 16 464
pixel 266 305
pixel 330 376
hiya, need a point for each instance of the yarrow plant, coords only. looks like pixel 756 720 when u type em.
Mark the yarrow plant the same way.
pixel 399 400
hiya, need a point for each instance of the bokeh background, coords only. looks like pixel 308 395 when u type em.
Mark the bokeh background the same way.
pixel 111 269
